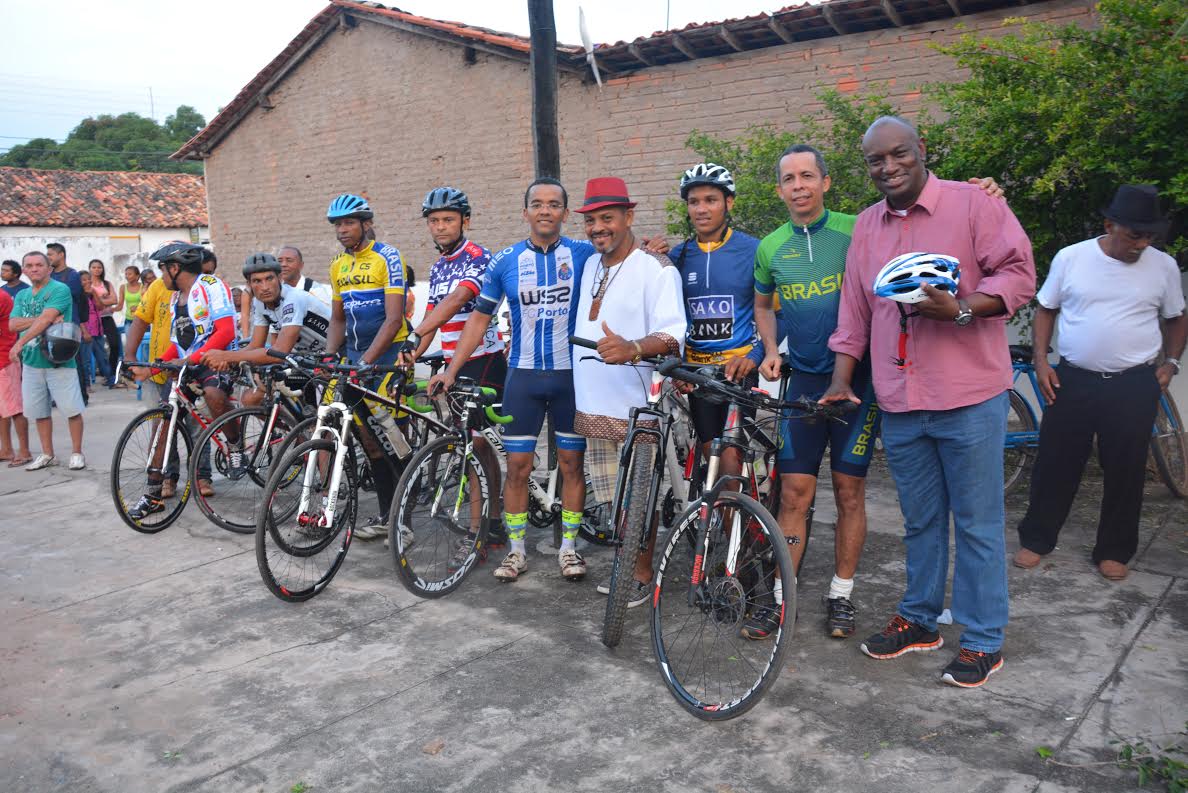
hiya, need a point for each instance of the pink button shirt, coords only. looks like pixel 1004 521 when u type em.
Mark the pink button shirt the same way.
pixel 947 366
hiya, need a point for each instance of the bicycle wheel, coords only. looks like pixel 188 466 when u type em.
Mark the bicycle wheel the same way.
pixel 296 554
pixel 1021 443
pixel 134 452
pixel 437 532
pixel 631 522
pixel 240 489
pixel 708 667
pixel 1168 446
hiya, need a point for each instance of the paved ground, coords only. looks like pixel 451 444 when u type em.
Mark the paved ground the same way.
pixel 161 663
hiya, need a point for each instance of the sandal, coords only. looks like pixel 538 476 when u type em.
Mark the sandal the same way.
pixel 17 462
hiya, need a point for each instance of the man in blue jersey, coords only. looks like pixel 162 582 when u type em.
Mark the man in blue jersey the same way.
pixel 538 277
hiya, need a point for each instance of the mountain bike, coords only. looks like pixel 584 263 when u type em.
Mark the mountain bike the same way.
pixel 310 501
pixel 154 446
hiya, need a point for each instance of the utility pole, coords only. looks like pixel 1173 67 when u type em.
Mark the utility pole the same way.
pixel 543 65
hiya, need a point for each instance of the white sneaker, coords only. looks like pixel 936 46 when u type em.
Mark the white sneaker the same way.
pixel 372 528
pixel 77 462
pixel 41 461
pixel 513 566
pixel 573 566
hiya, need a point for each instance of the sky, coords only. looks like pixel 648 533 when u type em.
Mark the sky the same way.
pixel 65 60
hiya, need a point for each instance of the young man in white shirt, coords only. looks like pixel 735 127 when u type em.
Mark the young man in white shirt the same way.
pixel 1119 308
pixel 631 302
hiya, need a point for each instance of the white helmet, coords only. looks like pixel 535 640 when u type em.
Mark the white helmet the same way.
pixel 706 173
pixel 902 279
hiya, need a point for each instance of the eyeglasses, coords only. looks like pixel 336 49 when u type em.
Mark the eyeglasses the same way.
pixel 556 206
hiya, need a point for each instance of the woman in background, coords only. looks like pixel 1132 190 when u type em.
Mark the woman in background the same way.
pixel 106 299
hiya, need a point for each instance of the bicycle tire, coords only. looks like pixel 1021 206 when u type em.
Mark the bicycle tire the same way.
pixel 1017 460
pixel 1169 448
pixel 723 602
pixel 431 482
pixel 127 467
pixel 630 524
pixel 236 505
pixel 279 531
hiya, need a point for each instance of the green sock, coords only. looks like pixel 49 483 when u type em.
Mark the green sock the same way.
pixel 516 526
pixel 570 523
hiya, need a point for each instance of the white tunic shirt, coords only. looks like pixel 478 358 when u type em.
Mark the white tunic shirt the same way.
pixel 643 297
pixel 1110 310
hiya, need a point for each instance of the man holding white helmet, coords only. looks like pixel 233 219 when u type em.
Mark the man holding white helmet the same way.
pixel 941 369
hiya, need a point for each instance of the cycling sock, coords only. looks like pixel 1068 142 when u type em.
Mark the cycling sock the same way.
pixel 777 590
pixel 516 526
pixel 841 588
pixel 385 485
pixel 570 523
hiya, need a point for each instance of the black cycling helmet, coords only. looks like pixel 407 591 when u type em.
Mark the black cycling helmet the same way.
pixel 60 342
pixel 349 206
pixel 707 173
pixel 189 256
pixel 440 198
pixel 260 263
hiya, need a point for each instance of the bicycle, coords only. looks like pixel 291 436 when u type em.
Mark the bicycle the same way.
pixel 157 441
pixel 310 501
pixel 1169 447
pixel 445 501
pixel 264 432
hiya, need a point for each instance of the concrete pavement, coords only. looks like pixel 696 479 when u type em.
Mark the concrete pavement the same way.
pixel 161 663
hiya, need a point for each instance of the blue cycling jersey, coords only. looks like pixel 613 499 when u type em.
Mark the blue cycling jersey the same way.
pixel 719 285
pixel 541 288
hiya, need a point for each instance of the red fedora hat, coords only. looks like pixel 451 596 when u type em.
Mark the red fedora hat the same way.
pixel 606 191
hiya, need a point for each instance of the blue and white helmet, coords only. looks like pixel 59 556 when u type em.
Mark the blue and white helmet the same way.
pixel 902 279
pixel 349 206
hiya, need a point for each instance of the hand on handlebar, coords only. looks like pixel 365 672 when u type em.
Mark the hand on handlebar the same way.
pixel 217 360
pixel 439 383
pixel 770 368
pixel 839 392
pixel 738 368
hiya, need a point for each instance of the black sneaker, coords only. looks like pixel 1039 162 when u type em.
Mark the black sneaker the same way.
pixel 463 548
pixel 147 505
pixel 496 536
pixel 971 668
pixel 899 637
pixel 839 622
pixel 763 622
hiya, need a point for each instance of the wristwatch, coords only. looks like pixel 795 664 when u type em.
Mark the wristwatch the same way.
pixel 413 341
pixel 1174 362
pixel 965 314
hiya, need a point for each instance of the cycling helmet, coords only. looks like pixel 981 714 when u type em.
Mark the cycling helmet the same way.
pixel 902 278
pixel 60 342
pixel 445 198
pixel 189 256
pixel 260 263
pixel 709 174
pixel 349 206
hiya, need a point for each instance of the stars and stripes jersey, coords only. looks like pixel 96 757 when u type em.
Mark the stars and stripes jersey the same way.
pixel 360 281
pixel 465 267
pixel 208 301
pixel 541 289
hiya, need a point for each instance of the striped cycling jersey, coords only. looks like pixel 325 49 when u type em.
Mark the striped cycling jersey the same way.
pixel 360 281
pixel 295 308
pixel 194 318
pixel 804 266
pixel 541 290
pixel 464 267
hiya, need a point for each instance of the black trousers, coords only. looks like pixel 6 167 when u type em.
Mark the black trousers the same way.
pixel 112 334
pixel 1119 412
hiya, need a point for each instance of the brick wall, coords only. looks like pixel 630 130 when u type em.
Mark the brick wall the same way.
pixel 418 116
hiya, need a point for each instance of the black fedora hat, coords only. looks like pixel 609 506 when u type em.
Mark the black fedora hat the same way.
pixel 1136 206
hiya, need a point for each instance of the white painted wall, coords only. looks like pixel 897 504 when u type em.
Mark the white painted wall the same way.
pixel 116 247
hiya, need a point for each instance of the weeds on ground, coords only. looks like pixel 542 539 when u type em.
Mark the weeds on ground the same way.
pixel 1164 763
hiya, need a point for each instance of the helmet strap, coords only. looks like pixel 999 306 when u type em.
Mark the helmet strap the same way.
pixel 904 316
pixel 446 250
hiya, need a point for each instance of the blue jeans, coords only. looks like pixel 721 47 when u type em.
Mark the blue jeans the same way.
pixel 950 462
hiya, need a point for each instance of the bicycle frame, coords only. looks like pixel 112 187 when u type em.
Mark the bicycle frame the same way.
pixel 178 401
pixel 1027 439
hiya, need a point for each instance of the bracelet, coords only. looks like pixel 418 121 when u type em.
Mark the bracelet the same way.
pixel 1175 363
pixel 639 352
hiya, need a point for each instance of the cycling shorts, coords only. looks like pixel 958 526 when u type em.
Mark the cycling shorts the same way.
pixel 487 370
pixel 528 396
pixel 209 378
pixel 851 445
pixel 709 418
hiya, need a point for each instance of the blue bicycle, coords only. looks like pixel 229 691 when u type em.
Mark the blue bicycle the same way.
pixel 1169 450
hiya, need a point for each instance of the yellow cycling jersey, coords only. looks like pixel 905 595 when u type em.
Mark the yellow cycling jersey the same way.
pixel 360 281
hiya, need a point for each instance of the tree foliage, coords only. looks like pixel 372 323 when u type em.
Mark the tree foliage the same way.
pixel 127 142
pixel 1059 115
